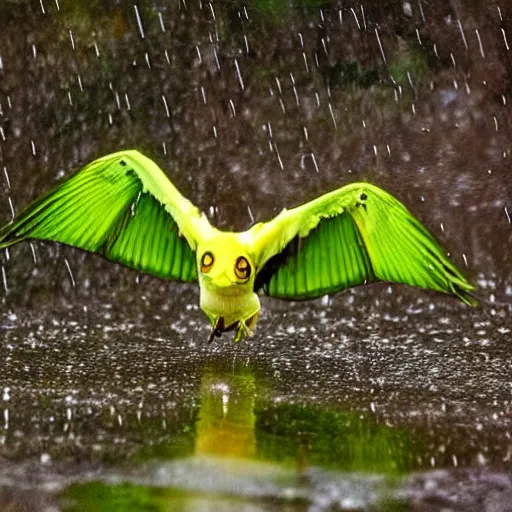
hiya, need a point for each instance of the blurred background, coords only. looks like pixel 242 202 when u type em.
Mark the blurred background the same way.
pixel 382 396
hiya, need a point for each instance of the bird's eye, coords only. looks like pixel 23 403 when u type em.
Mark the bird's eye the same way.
pixel 206 262
pixel 242 268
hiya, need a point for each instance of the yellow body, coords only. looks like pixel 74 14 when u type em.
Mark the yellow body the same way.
pixel 228 300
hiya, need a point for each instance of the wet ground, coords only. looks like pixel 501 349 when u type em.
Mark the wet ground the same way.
pixel 381 398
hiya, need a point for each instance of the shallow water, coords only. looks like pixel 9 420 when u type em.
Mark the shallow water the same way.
pixel 381 398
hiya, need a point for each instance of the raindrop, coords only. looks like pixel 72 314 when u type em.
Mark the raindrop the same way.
pixel 72 40
pixel 164 148
pixel 57 5
pixel 389 149
pixel 508 216
pixel 278 85
pixel 363 16
pixel 421 11
pixel 464 257
pixel 442 227
pixel 2 133
pixel 161 19
pixel 453 60
pixel 499 13
pixel 212 11
pixel 232 107
pixel 42 6
pixel 495 123
pixel 251 216
pixel 167 58
pixel 34 51
pixel 70 99
pixel 167 112
pixel 305 62
pixel 461 29
pixel 216 58
pixel 11 207
pixel 380 46
pixel 325 46
pixel 480 45
pixel 96 49
pixel 246 41
pixel 33 250
pixel 303 159
pixel 4 280
pixel 127 101
pixel 239 75
pixel 419 37
pixel 301 40
pixel 278 157
pixel 139 21
pixel 118 100
pixel 69 272
pixel 203 94
pixel 409 77
pixel 214 129
pixel 375 149
pixel 283 108
pixel 505 39
pixel 296 95
pixel 1 63
pixel 7 180
pixel 80 85
pixel 33 147
pixel 199 56
pixel 305 130
pixel 355 17
pixel 110 120
pixel 6 419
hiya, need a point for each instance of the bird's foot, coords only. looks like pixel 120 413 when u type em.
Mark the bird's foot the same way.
pixel 217 329
pixel 242 331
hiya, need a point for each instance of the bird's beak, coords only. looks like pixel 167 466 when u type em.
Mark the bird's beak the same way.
pixel 219 281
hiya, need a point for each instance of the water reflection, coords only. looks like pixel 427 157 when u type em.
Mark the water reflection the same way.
pixel 247 447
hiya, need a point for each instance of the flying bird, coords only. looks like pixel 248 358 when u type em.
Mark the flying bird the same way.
pixel 123 207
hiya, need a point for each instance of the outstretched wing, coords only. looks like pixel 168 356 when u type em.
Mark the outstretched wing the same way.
pixel 351 236
pixel 123 207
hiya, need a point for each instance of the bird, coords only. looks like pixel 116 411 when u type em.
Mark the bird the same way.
pixel 123 207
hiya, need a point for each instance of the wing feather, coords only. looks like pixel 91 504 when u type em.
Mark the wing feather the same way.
pixel 359 234
pixel 123 207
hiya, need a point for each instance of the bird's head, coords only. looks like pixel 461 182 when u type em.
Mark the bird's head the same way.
pixel 223 262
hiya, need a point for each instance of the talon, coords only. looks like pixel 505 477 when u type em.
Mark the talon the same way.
pixel 217 329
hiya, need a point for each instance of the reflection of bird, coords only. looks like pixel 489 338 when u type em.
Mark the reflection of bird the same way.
pixel 123 207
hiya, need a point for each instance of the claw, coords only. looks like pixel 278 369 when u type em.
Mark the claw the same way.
pixel 217 329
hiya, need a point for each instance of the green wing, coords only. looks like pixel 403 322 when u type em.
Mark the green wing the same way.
pixel 123 207
pixel 352 236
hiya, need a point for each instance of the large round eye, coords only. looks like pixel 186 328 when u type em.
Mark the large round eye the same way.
pixel 206 262
pixel 242 268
